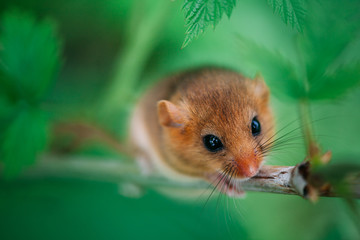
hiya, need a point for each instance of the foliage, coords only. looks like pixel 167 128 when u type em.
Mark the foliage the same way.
pixel 29 61
pixel 329 70
pixel 323 68
pixel 144 32
pixel 292 12
pixel 30 55
pixel 30 127
pixel 199 14
pixel 279 71
pixel 95 54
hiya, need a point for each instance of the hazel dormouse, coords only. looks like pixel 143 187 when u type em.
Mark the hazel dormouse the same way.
pixel 211 123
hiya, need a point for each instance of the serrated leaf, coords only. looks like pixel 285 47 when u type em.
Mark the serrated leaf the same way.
pixel 278 72
pixel 30 54
pixel 199 14
pixel 23 140
pixel 292 12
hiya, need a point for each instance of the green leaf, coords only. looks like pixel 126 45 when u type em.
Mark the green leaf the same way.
pixel 30 54
pixel 278 72
pixel 326 66
pixel 292 12
pixel 5 106
pixel 330 46
pixel 199 14
pixel 23 140
pixel 335 84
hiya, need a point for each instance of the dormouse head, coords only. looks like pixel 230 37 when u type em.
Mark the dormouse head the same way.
pixel 217 122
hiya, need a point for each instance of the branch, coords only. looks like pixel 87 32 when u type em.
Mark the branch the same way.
pixel 272 179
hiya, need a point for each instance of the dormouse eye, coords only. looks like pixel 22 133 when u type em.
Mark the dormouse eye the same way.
pixel 212 143
pixel 255 127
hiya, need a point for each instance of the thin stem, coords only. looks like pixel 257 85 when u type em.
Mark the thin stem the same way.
pixel 271 179
pixel 312 147
pixel 131 61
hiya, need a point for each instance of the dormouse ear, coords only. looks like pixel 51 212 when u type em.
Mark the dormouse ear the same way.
pixel 260 87
pixel 169 114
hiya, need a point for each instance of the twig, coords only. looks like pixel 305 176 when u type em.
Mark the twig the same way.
pixel 271 179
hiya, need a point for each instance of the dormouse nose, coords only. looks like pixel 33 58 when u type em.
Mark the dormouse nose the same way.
pixel 247 167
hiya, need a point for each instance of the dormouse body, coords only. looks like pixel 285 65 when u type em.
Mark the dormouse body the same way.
pixel 210 124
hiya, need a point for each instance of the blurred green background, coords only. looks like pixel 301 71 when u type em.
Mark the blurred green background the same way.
pixel 122 39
